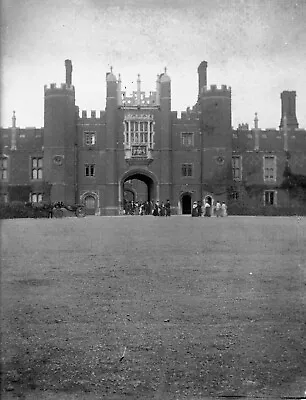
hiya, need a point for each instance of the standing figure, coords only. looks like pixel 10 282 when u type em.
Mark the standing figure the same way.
pixel 199 209
pixel 223 210
pixel 141 209
pixel 207 212
pixel 156 209
pixel 162 212
pixel 218 209
pixel 194 212
pixel 168 208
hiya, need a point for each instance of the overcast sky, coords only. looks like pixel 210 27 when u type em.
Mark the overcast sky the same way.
pixel 258 47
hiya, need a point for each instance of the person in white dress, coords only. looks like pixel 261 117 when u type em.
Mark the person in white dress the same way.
pixel 223 210
pixel 218 209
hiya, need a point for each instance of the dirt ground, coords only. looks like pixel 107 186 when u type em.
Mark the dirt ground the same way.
pixel 153 308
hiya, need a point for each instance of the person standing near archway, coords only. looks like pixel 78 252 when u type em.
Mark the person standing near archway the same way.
pixel 218 209
pixel 194 212
pixel 207 207
pixel 199 209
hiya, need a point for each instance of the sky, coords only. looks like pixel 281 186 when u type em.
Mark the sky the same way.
pixel 258 47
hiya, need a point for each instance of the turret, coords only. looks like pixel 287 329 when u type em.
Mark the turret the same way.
pixel 214 105
pixel 289 109
pixel 165 90
pixel 111 84
pixel 60 139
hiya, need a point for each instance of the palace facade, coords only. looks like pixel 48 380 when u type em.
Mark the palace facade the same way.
pixel 138 148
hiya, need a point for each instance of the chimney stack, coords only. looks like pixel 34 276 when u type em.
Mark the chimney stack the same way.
pixel 68 66
pixel 202 72
pixel 289 109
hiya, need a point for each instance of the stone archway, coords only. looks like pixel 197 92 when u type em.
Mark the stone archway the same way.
pixel 145 177
pixel 129 194
pixel 91 202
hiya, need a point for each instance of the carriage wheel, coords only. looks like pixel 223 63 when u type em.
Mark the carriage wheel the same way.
pixel 58 213
pixel 80 212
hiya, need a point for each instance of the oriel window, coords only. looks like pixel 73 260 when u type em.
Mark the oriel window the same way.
pixel 90 138
pixel 187 139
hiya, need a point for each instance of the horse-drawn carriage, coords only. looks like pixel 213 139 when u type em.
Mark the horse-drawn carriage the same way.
pixel 56 210
pixel 60 210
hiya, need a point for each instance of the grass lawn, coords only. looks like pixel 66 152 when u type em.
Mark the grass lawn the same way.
pixel 200 308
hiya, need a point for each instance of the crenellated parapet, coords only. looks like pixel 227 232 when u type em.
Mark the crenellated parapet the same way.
pixel 271 139
pixel 243 127
pixel 188 116
pixel 214 90
pixel 54 89
pixel 91 114
pixel 91 117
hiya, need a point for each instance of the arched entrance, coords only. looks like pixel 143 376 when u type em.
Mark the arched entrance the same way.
pixel 129 195
pixel 90 201
pixel 186 203
pixel 143 185
pixel 209 200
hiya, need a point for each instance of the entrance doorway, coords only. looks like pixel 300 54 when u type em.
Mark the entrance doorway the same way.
pixel 138 187
pixel 186 203
pixel 90 204
pixel 208 199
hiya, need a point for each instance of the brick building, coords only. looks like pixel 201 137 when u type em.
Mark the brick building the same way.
pixel 138 148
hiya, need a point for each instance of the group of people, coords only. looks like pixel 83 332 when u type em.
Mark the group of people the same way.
pixel 219 210
pixel 163 209
pixel 137 208
pixel 147 208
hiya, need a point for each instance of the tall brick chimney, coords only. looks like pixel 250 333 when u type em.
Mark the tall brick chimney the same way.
pixel 288 109
pixel 202 72
pixel 68 66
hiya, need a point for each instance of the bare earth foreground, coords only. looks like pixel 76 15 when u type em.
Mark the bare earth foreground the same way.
pixel 153 308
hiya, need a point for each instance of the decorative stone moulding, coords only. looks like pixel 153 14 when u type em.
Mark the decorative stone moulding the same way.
pixel 58 160
pixel 142 117
pixel 220 160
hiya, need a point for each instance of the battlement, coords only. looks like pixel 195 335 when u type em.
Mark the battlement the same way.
pixel 243 127
pixel 215 90
pixel 91 114
pixel 270 139
pixel 188 115
pixel 55 87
